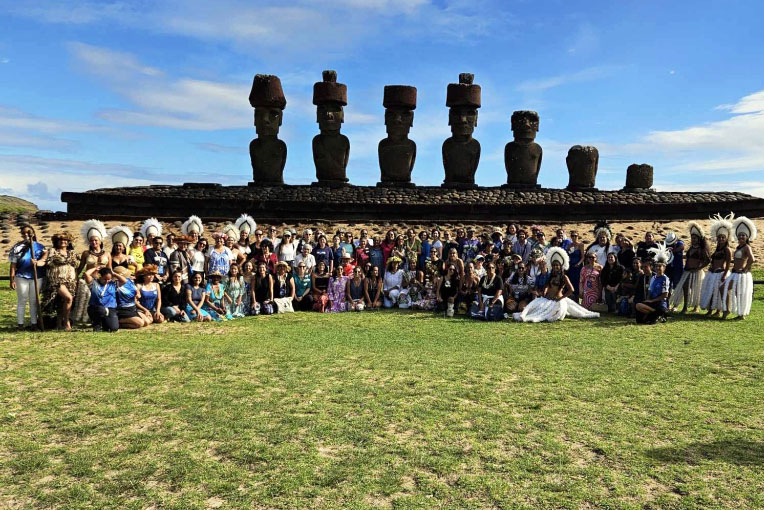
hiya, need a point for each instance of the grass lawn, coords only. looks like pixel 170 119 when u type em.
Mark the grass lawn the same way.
pixel 384 410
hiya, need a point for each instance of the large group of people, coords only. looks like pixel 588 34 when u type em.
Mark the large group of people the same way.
pixel 149 276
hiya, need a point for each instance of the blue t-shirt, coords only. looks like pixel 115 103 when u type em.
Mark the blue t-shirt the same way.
pixel 21 255
pixel 659 285
pixel 103 295
pixel 126 294
pixel 326 254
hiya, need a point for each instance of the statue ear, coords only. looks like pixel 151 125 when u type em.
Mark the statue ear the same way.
pixel 476 117
pixel 281 117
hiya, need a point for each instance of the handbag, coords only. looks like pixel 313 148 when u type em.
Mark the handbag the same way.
pixel 283 305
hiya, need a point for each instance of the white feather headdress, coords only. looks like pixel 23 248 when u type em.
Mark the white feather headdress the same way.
pixel 151 226
pixel 121 234
pixel 695 229
pixel 556 254
pixel 192 224
pixel 602 228
pixel 245 223
pixel 662 254
pixel 93 228
pixel 231 231
pixel 721 225
pixel 746 226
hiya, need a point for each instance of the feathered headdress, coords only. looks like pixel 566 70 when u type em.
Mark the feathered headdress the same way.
pixel 602 228
pixel 556 254
pixel 192 224
pixel 721 225
pixel 231 231
pixel 245 223
pixel 151 226
pixel 121 234
pixel 93 228
pixel 695 229
pixel 743 225
pixel 662 254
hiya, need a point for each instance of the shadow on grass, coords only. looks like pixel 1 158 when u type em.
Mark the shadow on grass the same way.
pixel 744 452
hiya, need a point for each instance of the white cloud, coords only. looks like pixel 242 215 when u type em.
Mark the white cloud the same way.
pixel 22 129
pixel 216 147
pixel 4 60
pixel 163 101
pixel 588 74
pixel 303 28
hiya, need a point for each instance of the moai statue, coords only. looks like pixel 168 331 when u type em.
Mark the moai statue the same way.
pixel 331 148
pixel 582 163
pixel 461 152
pixel 396 152
pixel 522 156
pixel 267 152
pixel 639 178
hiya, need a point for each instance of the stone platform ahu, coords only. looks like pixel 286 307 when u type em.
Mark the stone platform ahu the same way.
pixel 396 196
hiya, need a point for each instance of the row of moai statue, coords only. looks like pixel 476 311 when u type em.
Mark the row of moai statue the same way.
pixel 397 153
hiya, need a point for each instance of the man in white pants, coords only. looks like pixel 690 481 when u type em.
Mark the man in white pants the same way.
pixel 22 278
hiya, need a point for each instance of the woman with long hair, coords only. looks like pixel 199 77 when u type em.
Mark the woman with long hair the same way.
pixel 148 293
pixel 196 295
pixel 372 288
pixel 354 290
pixel 261 293
pixel 320 286
pixel 738 288
pixel 610 278
pixel 519 289
pixel 215 303
pixel 93 233
pixel 687 289
pixel 60 280
pixel 447 289
pixel 235 290
pixel 388 243
pixel 721 260
pixel 336 291
pixel 575 252
pixel 174 298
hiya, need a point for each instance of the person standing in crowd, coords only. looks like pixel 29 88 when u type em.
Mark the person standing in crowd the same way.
pixel 687 290
pixel 643 246
pixel 199 258
pixel 575 251
pixel 453 258
pixel 157 257
pixel 676 266
pixel 102 305
pixel 738 288
pixel 721 261
pixel 323 252
pixel 174 298
pixel 220 257
pixel 610 278
pixel 305 257
pixel 376 256
pixel 60 280
pixel 626 254
pixel 591 288
pixel 180 259
pixel 93 233
pixel 601 245
pixel 267 257
pixel 170 246
pixel 437 243
pixel 522 247
pixel 469 246
pixel 135 255
pixel 388 244
pixel 562 240
pixel 286 249
pixel 27 258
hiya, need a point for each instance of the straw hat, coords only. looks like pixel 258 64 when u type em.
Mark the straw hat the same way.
pixel 147 269
pixel 121 271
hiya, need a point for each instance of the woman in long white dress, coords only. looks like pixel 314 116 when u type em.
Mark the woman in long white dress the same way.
pixel 555 304
pixel 738 287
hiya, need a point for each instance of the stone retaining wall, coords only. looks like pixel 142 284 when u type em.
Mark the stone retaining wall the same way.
pixel 359 203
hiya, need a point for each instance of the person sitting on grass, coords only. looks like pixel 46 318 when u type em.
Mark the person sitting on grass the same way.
pixel 336 291
pixel 174 298
pixel 653 309
pixel 149 297
pixel 102 307
pixel 395 286
pixel 372 288
pixel 354 291
pixel 195 298
pixel 127 305
pixel 215 304
pixel 303 297
pixel 447 289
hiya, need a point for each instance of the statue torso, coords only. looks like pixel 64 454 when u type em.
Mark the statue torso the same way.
pixel 396 160
pixel 522 161
pixel 330 155
pixel 460 160
pixel 268 156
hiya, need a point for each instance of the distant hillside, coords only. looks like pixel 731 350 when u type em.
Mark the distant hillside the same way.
pixel 15 204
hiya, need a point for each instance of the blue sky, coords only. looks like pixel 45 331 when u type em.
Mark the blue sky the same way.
pixel 99 94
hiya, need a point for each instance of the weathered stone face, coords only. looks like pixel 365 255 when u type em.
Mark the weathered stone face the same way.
pixel 268 120
pixel 525 124
pixel 330 117
pixel 639 177
pixel 398 122
pixel 582 164
pixel 463 120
